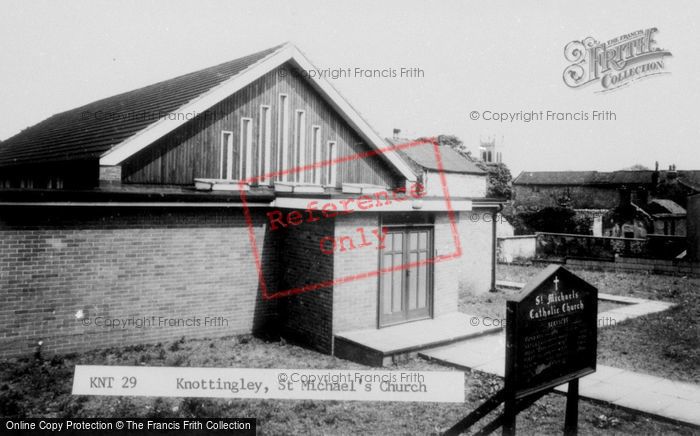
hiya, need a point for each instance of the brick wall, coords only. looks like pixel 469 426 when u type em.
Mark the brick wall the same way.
pixel 516 248
pixel 535 197
pixel 637 265
pixel 355 302
pixel 128 263
pixel 193 265
pixel 307 316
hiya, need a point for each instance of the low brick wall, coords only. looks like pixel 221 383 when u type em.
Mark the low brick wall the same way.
pixel 631 264
pixel 561 246
pixel 516 248
pixel 65 269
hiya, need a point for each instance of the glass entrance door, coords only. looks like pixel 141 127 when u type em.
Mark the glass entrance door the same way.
pixel 405 288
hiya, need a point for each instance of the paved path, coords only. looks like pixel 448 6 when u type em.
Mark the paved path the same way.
pixel 635 391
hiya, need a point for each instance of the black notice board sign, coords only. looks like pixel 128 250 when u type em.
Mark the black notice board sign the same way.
pixel 551 332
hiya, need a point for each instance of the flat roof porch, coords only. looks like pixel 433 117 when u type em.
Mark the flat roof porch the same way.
pixel 382 347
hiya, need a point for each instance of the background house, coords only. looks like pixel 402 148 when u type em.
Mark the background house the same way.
pixel 464 177
pixel 602 190
pixel 619 202
pixel 668 217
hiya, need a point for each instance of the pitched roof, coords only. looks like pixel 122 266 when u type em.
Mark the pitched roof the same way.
pixel 554 177
pixel 641 211
pixel 623 177
pixel 88 131
pixel 613 178
pixel 79 134
pixel 665 206
pixel 690 178
pixel 423 157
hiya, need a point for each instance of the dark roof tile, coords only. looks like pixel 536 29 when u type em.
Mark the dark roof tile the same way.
pixel 554 177
pixel 665 206
pixel 422 156
pixel 86 132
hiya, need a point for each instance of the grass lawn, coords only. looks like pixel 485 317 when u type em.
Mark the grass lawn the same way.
pixel 41 388
pixel 665 344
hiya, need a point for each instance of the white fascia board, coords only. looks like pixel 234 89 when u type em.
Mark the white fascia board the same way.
pixel 131 204
pixel 162 127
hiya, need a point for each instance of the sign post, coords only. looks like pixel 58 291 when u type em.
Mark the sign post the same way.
pixel 571 418
pixel 551 339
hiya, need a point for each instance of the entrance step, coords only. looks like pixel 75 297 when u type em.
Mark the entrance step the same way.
pixel 384 346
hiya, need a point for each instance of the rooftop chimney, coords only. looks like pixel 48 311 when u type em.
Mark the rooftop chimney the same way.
pixel 672 174
pixel 397 132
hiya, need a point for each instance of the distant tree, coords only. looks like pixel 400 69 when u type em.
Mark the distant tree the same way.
pixel 554 220
pixel 500 180
pixel 636 167
pixel 455 143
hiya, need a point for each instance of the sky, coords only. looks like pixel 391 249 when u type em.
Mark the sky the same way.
pixel 491 56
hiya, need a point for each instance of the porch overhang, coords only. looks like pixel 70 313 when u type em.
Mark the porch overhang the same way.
pixel 370 204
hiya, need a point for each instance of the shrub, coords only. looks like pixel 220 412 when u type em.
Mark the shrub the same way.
pixel 552 220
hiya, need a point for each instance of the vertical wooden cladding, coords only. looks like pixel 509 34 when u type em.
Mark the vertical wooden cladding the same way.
pixel 194 149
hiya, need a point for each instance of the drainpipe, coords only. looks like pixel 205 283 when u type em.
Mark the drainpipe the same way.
pixel 493 248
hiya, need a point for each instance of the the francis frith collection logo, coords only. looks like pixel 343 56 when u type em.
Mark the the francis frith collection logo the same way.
pixel 615 63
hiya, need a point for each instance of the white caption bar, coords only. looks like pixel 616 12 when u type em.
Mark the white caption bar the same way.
pixel 298 384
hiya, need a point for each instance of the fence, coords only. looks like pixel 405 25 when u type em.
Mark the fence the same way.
pixel 559 247
pixel 636 265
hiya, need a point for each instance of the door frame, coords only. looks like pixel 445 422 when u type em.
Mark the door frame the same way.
pixel 430 297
